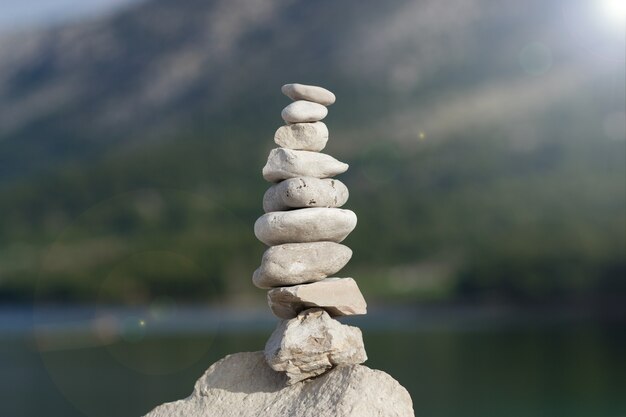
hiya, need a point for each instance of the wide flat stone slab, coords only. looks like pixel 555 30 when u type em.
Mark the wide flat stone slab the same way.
pixel 305 225
pixel 243 385
pixel 298 263
pixel 338 296
pixel 313 343
pixel 286 163
pixel 302 192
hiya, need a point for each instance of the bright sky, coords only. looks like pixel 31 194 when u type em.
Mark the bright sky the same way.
pixel 18 14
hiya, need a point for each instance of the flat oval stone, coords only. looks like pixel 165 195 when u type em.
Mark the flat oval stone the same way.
pixel 305 225
pixel 305 192
pixel 285 163
pixel 299 263
pixel 302 136
pixel 308 92
pixel 338 296
pixel 304 111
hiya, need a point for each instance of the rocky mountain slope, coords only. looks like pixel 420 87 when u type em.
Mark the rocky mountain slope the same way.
pixel 483 138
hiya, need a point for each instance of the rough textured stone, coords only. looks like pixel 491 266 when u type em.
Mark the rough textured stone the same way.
pixel 308 92
pixel 338 296
pixel 285 163
pixel 243 385
pixel 302 136
pixel 305 225
pixel 305 192
pixel 311 344
pixel 298 263
pixel 304 111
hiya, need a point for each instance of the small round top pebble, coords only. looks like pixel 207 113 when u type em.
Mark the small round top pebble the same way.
pixel 309 93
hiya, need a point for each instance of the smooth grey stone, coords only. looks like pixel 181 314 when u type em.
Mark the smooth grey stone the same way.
pixel 305 192
pixel 298 263
pixel 308 92
pixel 302 136
pixel 338 296
pixel 305 225
pixel 285 163
pixel 304 111
pixel 311 344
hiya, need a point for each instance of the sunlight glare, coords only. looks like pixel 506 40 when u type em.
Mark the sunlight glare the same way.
pixel 615 11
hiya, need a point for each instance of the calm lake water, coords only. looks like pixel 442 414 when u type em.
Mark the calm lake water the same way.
pixel 457 362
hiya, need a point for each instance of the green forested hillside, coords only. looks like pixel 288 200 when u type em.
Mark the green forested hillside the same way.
pixel 471 175
pixel 436 220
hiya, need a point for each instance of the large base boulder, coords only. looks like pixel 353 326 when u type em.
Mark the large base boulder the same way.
pixel 243 385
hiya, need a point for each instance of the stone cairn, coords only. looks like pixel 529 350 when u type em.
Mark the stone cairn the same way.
pixel 303 227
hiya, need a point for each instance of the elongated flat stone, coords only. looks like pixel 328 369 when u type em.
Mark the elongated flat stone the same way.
pixel 305 225
pixel 302 136
pixel 286 163
pixel 311 344
pixel 298 263
pixel 338 296
pixel 308 92
pixel 304 111
pixel 305 192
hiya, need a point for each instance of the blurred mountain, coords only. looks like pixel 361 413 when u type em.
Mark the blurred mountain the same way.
pixel 485 139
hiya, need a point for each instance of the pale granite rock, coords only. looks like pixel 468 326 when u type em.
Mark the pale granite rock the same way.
pixel 305 225
pixel 243 385
pixel 303 111
pixel 308 92
pixel 298 263
pixel 338 296
pixel 311 344
pixel 285 163
pixel 303 192
pixel 302 136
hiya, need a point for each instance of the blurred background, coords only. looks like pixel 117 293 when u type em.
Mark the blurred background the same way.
pixel 487 151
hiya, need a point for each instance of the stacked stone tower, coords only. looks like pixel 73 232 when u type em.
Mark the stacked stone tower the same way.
pixel 303 226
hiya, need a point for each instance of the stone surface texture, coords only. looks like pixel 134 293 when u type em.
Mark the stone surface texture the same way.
pixel 338 296
pixel 305 225
pixel 308 92
pixel 298 263
pixel 311 344
pixel 284 163
pixel 243 385
pixel 304 192
pixel 304 111
pixel 302 136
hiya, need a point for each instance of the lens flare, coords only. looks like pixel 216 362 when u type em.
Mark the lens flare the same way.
pixel 615 12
